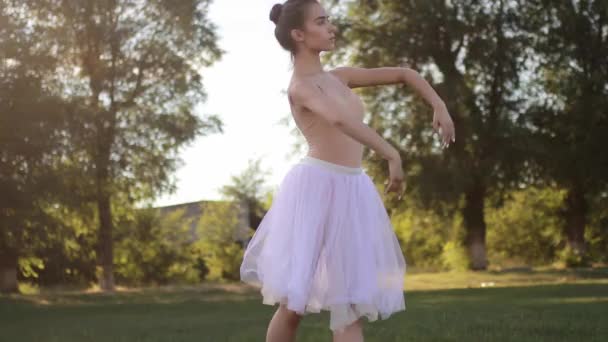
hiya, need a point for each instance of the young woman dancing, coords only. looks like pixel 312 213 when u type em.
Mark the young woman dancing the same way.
pixel 327 242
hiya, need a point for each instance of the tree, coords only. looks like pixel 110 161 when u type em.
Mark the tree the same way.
pixel 217 244
pixel 248 189
pixel 156 248
pixel 472 52
pixel 31 122
pixel 568 115
pixel 132 68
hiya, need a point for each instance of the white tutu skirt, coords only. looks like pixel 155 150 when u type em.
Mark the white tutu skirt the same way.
pixel 327 243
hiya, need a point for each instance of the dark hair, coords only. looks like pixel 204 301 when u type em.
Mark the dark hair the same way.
pixel 288 16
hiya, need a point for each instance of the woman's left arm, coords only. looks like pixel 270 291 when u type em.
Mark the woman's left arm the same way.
pixel 356 77
pixel 365 77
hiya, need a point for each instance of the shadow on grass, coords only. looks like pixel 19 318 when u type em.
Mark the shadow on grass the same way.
pixel 159 295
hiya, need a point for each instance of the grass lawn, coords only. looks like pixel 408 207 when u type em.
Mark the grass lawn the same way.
pixel 528 305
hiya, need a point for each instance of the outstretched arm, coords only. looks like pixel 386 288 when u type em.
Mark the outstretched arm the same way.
pixel 365 77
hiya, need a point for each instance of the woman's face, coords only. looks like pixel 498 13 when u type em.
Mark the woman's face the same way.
pixel 318 33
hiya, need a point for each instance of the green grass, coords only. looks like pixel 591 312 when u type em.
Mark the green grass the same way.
pixel 547 305
pixel 522 276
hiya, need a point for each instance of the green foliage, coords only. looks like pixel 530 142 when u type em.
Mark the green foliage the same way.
pixel 422 234
pixel 597 232
pixel 28 288
pixel 430 238
pixel 130 72
pixel 568 117
pixel 29 266
pixel 32 120
pixel 217 229
pixel 97 98
pixel 570 92
pixel 526 84
pixel 472 53
pixel 526 228
pixel 69 252
pixel 156 249
pixel 454 256
pixel 571 257
pixel 249 188
pixel 267 201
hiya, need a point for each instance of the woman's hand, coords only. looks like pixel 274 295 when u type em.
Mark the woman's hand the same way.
pixel 442 124
pixel 395 181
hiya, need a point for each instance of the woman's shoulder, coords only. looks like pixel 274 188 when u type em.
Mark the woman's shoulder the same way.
pixel 300 89
pixel 340 74
pixel 310 86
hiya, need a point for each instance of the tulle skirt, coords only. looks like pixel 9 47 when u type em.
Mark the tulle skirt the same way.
pixel 327 243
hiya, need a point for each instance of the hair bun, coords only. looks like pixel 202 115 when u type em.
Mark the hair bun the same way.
pixel 275 13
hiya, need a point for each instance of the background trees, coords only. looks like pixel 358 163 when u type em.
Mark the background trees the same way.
pixel 98 97
pixel 525 84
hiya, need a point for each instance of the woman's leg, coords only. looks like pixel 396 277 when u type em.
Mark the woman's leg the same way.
pixel 283 325
pixel 352 333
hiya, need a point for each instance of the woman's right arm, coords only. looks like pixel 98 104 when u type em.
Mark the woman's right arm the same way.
pixel 312 98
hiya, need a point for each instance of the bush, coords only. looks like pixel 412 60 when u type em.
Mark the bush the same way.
pixel 217 246
pixel 526 228
pixel 422 235
pixel 454 256
pixel 571 258
pixel 157 249
pixel 596 233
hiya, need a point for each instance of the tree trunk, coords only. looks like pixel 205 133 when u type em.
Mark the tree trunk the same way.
pixel 8 271
pixel 475 226
pixel 105 257
pixel 576 214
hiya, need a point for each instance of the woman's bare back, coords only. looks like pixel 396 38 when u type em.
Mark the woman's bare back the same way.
pixel 325 141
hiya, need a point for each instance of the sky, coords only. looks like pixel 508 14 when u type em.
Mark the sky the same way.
pixel 244 88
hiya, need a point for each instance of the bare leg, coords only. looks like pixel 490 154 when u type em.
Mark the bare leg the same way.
pixel 352 333
pixel 283 325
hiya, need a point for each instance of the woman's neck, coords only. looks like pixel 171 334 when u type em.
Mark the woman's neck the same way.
pixel 307 63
